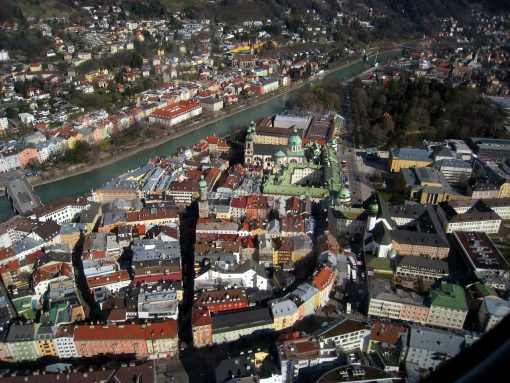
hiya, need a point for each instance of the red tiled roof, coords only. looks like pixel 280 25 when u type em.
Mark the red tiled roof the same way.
pixel 387 333
pixel 239 203
pixel 115 277
pixel 175 110
pixel 98 332
pixel 200 317
pixel 6 252
pixel 323 278
pixel 161 330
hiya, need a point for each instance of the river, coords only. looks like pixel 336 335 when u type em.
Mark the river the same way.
pixel 83 183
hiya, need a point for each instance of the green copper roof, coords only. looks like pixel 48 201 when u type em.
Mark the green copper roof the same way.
pixel 202 184
pixel 295 140
pixel 449 295
pixel 373 207
pixel 279 154
pixel 344 193
pixel 485 290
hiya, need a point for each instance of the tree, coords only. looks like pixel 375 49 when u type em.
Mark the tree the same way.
pixel 78 154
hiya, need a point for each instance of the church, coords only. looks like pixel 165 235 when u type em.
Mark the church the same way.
pixel 269 147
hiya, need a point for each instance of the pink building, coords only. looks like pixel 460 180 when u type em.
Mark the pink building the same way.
pixel 28 156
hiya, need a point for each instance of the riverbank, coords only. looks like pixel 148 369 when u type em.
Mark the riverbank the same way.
pixel 128 151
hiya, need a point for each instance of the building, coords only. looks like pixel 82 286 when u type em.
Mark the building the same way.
pixel 408 230
pixel 44 335
pixel 21 342
pixel 346 334
pixel 64 341
pixel 479 218
pixel 138 340
pixel 490 149
pixel 408 158
pixel 211 104
pixel 419 273
pixel 176 113
pixel 303 353
pixel 456 171
pixel 347 221
pixel 492 311
pixel 427 185
pixel 484 258
pixel 395 304
pixel 229 326
pixel 448 306
pixel 285 313
pixel 221 300
pixel 357 373
pixel 201 326
pixel 264 155
pixel 429 348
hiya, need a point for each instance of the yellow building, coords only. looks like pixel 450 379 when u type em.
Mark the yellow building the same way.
pixel 408 158
pixel 44 334
pixel 504 190
pixel 427 185
pixel 285 313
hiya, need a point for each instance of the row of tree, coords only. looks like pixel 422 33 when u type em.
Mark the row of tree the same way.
pixel 403 112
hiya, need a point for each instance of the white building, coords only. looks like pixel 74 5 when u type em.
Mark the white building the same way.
pixel 347 334
pixel 64 341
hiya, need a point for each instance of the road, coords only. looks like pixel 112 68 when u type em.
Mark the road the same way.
pixel 360 187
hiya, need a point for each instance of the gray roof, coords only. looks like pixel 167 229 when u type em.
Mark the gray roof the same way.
pixel 412 154
pixel 251 264
pixel 282 307
pixel 267 149
pixel 429 339
pixel 497 306
pixel 452 163
pixel 21 333
pixel 240 319
pixel 424 263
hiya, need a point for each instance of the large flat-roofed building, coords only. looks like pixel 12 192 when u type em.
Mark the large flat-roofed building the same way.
pixel 448 306
pixel 289 120
pixel 477 218
pixel 409 158
pixel 491 149
pixel 231 325
pixel 484 258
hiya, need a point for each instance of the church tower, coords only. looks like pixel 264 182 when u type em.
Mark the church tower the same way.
pixel 249 139
pixel 203 203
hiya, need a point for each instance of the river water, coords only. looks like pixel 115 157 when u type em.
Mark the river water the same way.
pixel 83 183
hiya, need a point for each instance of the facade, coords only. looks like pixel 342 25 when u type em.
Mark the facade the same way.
pixel 64 341
pixel 347 221
pixel 230 326
pixel 21 342
pixel 448 307
pixel 408 158
pixel 201 327
pixel 347 334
